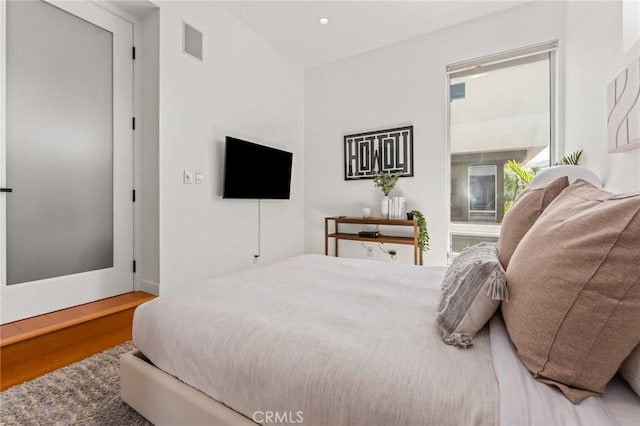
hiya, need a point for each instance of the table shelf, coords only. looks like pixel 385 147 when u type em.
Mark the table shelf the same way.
pixel 390 239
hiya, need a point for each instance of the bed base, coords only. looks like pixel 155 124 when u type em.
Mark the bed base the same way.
pixel 165 400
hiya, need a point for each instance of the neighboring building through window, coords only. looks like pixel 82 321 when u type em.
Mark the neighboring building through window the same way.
pixel 501 120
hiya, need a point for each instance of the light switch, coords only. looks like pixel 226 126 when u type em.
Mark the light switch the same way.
pixel 188 176
pixel 199 177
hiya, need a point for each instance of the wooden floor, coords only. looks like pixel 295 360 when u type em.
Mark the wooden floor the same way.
pixel 38 345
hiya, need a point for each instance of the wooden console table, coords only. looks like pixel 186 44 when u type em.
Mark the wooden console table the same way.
pixel 337 235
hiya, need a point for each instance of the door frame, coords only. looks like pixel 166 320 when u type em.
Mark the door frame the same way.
pixel 124 33
pixel 145 70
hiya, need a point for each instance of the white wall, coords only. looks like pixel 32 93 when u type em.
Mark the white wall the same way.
pixel 405 83
pixel 401 84
pixel 630 23
pixel 594 57
pixel 244 88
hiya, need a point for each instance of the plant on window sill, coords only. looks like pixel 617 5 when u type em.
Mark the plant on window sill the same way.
pixel 572 159
pixel 517 178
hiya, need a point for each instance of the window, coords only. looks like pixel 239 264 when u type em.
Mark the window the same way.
pixel 460 242
pixel 501 126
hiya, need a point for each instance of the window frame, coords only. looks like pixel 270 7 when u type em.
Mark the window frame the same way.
pixel 489 62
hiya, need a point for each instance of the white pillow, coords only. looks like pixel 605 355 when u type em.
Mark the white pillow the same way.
pixel 472 289
pixel 630 369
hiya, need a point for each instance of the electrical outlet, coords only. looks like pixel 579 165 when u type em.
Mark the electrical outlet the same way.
pixel 370 251
pixel 199 177
pixel 188 176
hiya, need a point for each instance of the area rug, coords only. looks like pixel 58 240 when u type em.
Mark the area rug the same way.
pixel 84 393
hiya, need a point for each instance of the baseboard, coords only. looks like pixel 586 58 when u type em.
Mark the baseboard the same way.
pixel 24 361
pixel 63 337
pixel 148 287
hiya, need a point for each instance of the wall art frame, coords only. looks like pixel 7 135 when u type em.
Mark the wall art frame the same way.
pixel 623 110
pixel 387 150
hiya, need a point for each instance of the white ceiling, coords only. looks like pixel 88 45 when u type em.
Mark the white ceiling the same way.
pixel 138 8
pixel 354 26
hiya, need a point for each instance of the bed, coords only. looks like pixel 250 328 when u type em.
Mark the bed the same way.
pixel 320 340
pixel 340 340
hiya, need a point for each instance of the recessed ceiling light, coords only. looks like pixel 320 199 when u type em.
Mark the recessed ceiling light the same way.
pixel 324 21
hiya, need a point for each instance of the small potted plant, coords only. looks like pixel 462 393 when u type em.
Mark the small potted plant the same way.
pixel 423 233
pixel 386 181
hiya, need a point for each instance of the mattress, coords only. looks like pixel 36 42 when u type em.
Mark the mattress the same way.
pixel 336 341
pixel 330 341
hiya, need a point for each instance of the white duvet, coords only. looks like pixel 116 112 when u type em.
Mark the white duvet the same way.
pixel 338 341
pixel 335 341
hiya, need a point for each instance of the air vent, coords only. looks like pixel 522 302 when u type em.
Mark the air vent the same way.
pixel 191 41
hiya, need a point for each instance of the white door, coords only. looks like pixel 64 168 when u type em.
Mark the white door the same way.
pixel 66 169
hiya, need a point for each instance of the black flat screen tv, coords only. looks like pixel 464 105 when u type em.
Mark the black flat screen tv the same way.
pixel 253 171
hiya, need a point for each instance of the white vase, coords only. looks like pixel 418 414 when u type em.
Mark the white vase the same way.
pixel 397 208
pixel 384 207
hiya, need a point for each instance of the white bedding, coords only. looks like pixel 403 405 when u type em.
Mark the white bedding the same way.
pixel 525 401
pixel 350 341
pixel 343 341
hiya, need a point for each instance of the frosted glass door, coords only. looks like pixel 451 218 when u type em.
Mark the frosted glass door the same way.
pixel 66 153
pixel 59 143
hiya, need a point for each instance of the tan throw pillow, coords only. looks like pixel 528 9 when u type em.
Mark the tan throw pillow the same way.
pixel 522 215
pixel 630 369
pixel 471 292
pixel 574 290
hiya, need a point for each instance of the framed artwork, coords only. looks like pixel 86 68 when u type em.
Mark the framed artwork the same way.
pixel 623 110
pixel 388 150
